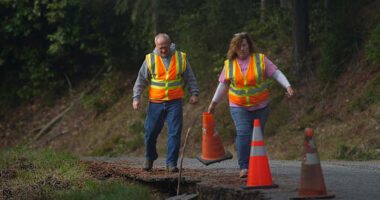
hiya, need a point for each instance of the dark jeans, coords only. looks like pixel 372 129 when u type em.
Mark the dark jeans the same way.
pixel 243 120
pixel 170 111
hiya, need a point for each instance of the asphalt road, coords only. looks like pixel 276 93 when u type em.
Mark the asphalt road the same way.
pixel 347 180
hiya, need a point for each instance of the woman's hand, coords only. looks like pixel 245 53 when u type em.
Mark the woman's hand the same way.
pixel 290 92
pixel 211 107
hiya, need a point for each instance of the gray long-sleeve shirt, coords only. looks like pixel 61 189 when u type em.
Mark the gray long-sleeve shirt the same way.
pixel 144 76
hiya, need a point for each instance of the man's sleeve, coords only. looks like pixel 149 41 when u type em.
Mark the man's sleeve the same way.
pixel 190 81
pixel 141 82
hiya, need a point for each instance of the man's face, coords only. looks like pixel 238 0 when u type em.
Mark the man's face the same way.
pixel 163 47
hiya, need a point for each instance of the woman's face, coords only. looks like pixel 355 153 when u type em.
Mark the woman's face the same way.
pixel 243 51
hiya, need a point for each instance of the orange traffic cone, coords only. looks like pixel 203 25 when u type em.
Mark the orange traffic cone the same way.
pixel 212 148
pixel 312 184
pixel 259 175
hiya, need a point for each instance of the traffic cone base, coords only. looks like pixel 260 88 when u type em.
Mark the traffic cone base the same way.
pixel 315 197
pixel 260 187
pixel 227 156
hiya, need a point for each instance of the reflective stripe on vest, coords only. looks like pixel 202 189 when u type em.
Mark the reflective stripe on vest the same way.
pixel 166 84
pixel 250 89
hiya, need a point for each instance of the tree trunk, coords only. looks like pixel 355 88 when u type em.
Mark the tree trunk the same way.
pixel 286 4
pixel 155 16
pixel 327 14
pixel 262 10
pixel 300 33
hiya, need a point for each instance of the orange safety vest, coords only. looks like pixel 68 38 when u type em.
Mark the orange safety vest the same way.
pixel 251 89
pixel 166 85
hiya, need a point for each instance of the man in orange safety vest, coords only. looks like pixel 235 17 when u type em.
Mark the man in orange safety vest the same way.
pixel 165 70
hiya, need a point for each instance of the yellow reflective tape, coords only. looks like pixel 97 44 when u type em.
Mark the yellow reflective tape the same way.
pixel 174 87
pixel 255 68
pixel 247 96
pixel 167 81
pixel 227 69
pixel 233 72
pixel 164 87
pixel 262 67
pixel 157 87
pixel 183 62
pixel 176 63
pixel 166 94
pixel 244 95
pixel 148 59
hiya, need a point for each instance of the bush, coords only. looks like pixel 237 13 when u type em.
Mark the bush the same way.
pixel 368 96
pixel 107 93
pixel 372 48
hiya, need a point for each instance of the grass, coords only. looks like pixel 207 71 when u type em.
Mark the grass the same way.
pixel 277 118
pixel 109 191
pixel 43 174
pixel 369 95
pixel 349 152
pixel 115 146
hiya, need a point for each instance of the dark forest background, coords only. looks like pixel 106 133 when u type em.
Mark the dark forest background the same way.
pixel 49 46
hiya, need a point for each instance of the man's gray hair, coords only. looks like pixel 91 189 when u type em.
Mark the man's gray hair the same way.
pixel 166 36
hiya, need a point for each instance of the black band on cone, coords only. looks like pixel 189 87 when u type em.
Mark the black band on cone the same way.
pixel 260 187
pixel 315 197
pixel 228 155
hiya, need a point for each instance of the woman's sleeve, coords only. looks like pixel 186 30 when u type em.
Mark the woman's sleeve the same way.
pixel 220 92
pixel 280 78
pixel 270 68
pixel 222 77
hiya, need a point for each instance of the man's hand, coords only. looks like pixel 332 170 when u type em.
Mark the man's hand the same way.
pixel 193 99
pixel 136 105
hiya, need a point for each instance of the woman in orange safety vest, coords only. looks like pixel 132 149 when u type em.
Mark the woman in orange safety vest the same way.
pixel 244 77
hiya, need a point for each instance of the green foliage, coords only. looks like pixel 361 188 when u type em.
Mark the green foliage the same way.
pixel 42 159
pixel 340 40
pixel 136 128
pixel 372 48
pixel 115 146
pixel 368 96
pixel 272 33
pixel 44 174
pixel 279 115
pixel 108 92
pixel 345 152
pixel 38 174
pixel 312 117
pixel 43 42
pixel 204 29
pixel 111 191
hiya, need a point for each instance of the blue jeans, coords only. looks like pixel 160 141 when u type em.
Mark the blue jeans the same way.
pixel 171 111
pixel 243 120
